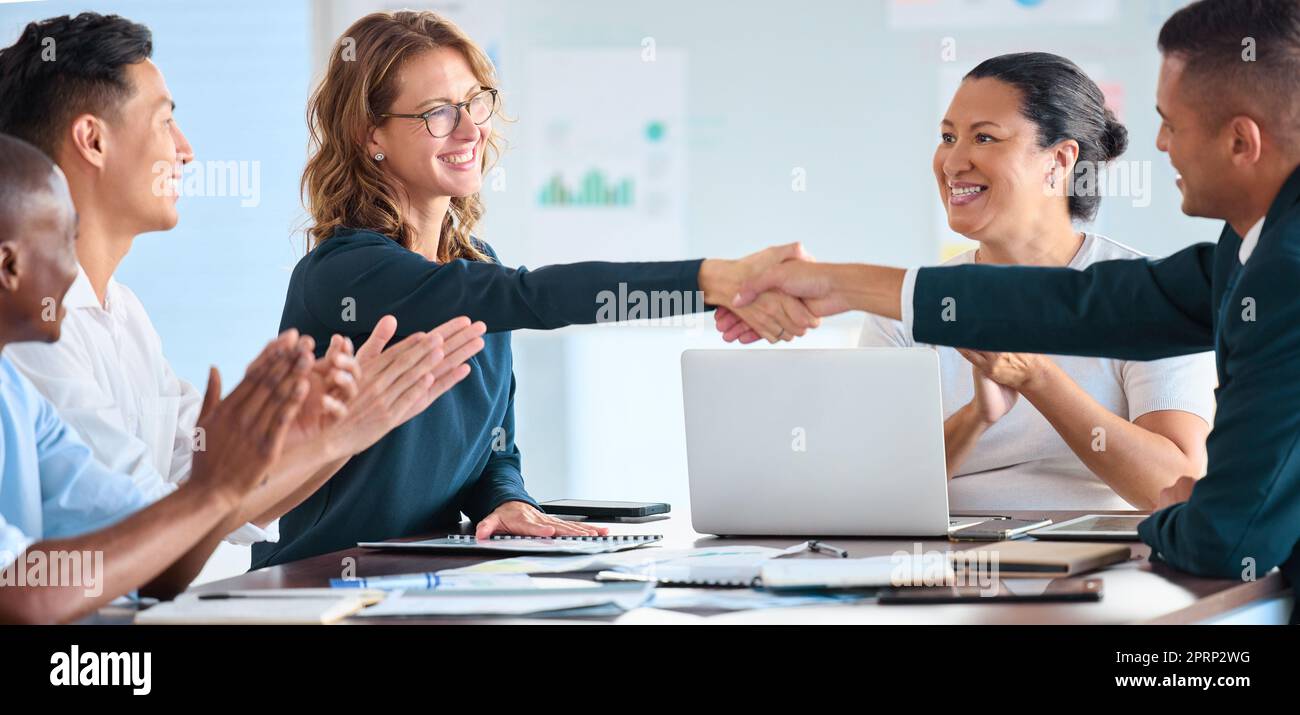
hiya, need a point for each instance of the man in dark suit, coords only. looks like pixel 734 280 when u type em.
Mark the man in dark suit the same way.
pixel 1229 98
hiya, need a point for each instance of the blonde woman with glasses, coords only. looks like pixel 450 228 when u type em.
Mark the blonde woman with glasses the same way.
pixel 402 132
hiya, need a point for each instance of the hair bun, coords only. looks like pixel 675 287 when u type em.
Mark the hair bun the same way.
pixel 1115 139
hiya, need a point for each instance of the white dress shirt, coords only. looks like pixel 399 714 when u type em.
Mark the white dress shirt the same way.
pixel 109 380
pixel 1249 241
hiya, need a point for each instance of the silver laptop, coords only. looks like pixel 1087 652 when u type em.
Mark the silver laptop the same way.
pixel 815 442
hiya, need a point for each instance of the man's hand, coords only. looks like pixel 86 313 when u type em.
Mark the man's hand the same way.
pixel 824 288
pixel 402 381
pixel 773 317
pixel 1176 493
pixel 333 385
pixel 810 283
pixel 522 519
pixel 244 433
pixel 815 283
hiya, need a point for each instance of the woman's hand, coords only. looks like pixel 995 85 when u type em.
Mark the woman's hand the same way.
pixel 771 316
pixel 1018 371
pixel 523 519
pixel 735 328
pixel 963 428
pixel 992 400
pixel 398 383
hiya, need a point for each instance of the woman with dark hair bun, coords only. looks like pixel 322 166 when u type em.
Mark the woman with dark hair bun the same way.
pixel 1091 433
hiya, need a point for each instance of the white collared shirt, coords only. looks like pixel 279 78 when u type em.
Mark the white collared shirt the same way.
pixel 109 380
pixel 1249 241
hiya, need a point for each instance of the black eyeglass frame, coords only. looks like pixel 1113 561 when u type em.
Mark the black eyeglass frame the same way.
pixel 424 116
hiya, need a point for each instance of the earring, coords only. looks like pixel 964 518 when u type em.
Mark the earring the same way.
pixel 1051 182
pixel 379 156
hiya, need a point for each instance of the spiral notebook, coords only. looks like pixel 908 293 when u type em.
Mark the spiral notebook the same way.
pixel 501 543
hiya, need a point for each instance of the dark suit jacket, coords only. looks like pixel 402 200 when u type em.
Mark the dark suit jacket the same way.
pixel 1244 516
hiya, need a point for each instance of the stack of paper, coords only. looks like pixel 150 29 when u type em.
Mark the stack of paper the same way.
pixel 718 565
pixel 583 598
pixel 873 572
pixel 297 606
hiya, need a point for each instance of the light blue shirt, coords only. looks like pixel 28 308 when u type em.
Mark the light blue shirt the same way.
pixel 51 486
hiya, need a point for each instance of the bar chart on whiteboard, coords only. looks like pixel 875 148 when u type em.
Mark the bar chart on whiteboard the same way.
pixel 606 142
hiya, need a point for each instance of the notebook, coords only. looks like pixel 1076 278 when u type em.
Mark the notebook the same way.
pixel 1040 559
pixel 727 567
pixel 503 543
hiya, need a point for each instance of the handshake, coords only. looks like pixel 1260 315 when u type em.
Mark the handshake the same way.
pixel 779 293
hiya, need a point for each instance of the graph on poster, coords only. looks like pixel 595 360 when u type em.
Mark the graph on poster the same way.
pixel 594 190
pixel 607 154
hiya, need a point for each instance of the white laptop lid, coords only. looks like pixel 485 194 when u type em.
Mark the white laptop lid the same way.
pixel 815 442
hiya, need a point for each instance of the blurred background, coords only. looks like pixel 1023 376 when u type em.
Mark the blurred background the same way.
pixel 664 130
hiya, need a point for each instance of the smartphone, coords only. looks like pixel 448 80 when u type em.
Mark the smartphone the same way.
pixel 998 529
pixel 604 509
pixel 1059 589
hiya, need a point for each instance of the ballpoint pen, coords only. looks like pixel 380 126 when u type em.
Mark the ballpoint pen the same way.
pixel 819 547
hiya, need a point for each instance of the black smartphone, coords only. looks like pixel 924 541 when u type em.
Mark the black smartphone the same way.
pixel 1059 589
pixel 997 529
pixel 604 509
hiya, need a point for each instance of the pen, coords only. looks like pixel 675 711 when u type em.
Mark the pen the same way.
pixel 390 583
pixel 819 547
pixel 432 581
pixel 368 596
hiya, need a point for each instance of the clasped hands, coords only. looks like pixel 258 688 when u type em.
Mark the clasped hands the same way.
pixel 776 294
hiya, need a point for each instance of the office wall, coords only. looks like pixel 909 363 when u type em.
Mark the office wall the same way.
pixel 214 286
pixel 810 121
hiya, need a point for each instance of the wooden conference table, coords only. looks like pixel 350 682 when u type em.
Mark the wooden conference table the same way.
pixel 1135 592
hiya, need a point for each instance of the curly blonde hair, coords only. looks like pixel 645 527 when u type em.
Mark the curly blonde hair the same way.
pixel 341 186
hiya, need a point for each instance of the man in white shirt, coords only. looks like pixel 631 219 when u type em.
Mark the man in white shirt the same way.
pixel 107 376
pixel 104 113
pixel 109 380
pixel 73 534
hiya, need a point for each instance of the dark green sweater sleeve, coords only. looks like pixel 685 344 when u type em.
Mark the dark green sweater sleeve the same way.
pixel 1128 309
pixel 1244 514
pixel 355 280
pixel 502 479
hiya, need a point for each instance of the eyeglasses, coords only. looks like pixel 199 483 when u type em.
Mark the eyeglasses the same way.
pixel 442 120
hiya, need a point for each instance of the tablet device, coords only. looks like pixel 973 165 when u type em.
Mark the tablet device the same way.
pixel 603 509
pixel 1093 527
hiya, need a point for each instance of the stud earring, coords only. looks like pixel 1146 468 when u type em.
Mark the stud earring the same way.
pixel 379 156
